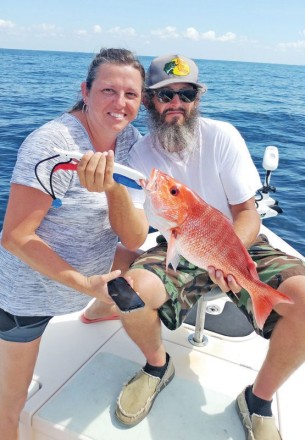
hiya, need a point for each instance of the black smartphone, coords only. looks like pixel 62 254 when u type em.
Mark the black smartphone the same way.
pixel 124 296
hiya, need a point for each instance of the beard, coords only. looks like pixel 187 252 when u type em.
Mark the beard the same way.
pixel 173 136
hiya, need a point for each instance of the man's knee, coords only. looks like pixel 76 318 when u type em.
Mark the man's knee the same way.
pixel 149 286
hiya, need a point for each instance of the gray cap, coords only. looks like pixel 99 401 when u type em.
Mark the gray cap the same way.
pixel 171 69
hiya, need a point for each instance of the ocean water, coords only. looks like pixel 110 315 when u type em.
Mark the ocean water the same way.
pixel 266 102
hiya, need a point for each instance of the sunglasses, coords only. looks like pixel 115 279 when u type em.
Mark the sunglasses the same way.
pixel 167 95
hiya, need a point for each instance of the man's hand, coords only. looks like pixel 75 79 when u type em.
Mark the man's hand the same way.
pixel 225 283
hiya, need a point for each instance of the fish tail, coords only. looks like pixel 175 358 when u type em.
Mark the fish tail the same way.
pixel 264 300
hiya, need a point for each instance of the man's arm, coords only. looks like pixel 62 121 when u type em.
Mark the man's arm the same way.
pixel 128 222
pixel 246 221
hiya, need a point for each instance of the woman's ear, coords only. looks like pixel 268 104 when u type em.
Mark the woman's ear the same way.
pixel 84 91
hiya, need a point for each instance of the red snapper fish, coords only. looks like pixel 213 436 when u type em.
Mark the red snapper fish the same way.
pixel 205 237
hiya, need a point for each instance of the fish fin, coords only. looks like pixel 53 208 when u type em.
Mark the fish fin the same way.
pixel 251 267
pixel 172 256
pixel 265 301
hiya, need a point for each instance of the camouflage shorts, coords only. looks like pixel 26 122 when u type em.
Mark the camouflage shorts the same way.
pixel 185 285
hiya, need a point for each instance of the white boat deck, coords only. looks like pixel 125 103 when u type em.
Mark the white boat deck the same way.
pixel 81 369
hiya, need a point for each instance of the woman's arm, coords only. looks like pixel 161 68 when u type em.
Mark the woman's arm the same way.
pixel 26 210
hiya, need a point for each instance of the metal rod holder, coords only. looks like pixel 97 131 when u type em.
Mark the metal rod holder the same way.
pixel 199 339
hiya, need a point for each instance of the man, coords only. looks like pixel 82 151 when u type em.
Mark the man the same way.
pixel 211 158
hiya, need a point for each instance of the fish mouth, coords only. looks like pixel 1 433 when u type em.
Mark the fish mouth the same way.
pixel 143 183
pixel 152 183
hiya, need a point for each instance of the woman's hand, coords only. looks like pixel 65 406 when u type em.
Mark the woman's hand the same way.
pixel 97 286
pixel 95 171
pixel 227 283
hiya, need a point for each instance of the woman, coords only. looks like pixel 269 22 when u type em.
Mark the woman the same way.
pixel 55 257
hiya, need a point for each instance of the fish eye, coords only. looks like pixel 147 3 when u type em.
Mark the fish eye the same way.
pixel 174 191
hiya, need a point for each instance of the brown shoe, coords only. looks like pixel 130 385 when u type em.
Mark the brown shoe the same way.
pixel 256 427
pixel 138 395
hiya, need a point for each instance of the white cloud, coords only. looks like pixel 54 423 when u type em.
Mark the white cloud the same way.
pixel 300 44
pixel 130 32
pixel 6 24
pixel 97 29
pixel 44 27
pixel 192 34
pixel 167 32
pixel 80 32
pixel 209 35
pixel 229 36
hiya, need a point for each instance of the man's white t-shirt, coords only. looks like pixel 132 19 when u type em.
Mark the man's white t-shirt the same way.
pixel 220 170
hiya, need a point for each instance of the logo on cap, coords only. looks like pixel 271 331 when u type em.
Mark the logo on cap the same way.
pixel 177 67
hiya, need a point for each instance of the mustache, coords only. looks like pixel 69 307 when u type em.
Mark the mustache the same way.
pixel 168 110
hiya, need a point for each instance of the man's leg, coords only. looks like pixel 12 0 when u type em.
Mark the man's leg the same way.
pixel 144 328
pixel 168 294
pixel 287 344
pixel 17 362
pixel 285 354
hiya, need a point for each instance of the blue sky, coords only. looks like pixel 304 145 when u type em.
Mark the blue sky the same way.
pixel 237 30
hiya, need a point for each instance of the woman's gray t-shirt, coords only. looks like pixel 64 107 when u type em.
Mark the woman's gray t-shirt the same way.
pixel 79 231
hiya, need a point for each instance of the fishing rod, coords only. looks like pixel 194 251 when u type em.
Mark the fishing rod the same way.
pixel 69 160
